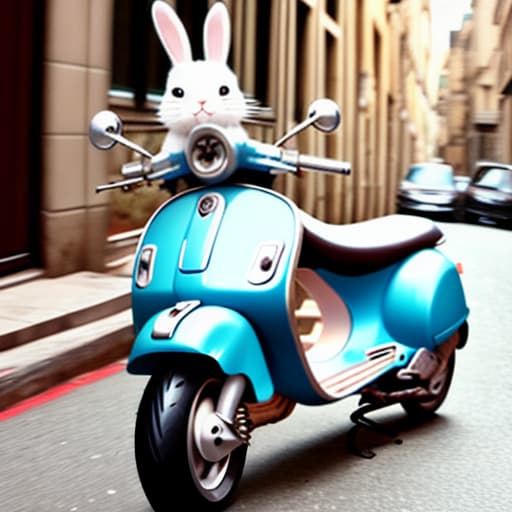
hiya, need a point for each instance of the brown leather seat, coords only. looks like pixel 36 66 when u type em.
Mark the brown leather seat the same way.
pixel 365 246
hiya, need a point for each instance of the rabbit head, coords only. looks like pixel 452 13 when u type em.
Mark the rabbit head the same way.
pixel 202 91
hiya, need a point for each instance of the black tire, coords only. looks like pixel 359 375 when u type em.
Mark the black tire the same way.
pixel 171 470
pixel 423 409
pixel 507 224
pixel 470 218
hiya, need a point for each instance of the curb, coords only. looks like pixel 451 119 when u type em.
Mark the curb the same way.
pixel 68 320
pixel 29 380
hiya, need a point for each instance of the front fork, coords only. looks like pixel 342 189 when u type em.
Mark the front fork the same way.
pixel 219 432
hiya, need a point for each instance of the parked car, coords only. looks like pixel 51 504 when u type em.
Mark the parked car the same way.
pixel 462 182
pixel 429 189
pixel 488 198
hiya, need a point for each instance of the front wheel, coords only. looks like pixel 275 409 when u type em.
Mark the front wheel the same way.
pixel 171 468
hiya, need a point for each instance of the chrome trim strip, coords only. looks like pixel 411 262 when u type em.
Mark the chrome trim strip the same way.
pixel 144 282
pixel 167 321
pixel 351 379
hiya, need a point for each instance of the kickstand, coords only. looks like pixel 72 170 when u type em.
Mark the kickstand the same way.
pixel 360 420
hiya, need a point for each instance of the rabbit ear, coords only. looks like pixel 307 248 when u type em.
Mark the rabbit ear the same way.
pixel 217 33
pixel 171 32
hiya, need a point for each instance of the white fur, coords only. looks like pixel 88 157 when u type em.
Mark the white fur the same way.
pixel 197 92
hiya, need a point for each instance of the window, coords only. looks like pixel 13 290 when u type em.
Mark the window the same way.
pixel 332 8
pixel 431 175
pixel 494 177
pixel 139 63
pixel 262 51
pixel 302 40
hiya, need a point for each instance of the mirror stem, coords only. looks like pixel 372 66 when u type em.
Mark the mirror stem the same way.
pixel 294 131
pixel 129 144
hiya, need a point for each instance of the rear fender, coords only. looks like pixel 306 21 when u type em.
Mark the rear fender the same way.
pixel 425 303
pixel 218 332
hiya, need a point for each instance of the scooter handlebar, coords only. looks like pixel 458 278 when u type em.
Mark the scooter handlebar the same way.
pixel 319 164
pixel 269 158
pixel 212 157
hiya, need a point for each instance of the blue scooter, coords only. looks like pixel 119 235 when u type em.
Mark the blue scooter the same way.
pixel 244 306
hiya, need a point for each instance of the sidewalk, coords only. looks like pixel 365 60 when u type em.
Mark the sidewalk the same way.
pixel 54 329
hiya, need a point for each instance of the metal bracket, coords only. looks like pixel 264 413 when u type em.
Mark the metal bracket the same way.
pixel 167 321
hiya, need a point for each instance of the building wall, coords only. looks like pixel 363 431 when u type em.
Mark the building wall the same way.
pixel 365 54
pixel 480 74
pixel 367 57
pixel 482 59
pixel 77 79
pixel 457 101
pixel 503 18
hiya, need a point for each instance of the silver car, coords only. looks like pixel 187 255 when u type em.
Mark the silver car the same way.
pixel 429 189
pixel 488 198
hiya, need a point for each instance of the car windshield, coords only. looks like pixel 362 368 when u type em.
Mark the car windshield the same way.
pixel 431 175
pixel 495 177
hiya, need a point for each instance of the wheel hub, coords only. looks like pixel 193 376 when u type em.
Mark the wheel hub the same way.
pixel 214 438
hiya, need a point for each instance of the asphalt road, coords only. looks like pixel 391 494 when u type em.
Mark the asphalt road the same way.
pixel 75 453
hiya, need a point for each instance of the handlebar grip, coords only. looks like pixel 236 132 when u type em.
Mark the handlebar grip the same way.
pixel 315 163
pixel 154 166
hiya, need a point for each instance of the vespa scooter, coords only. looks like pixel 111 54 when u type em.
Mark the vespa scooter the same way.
pixel 244 306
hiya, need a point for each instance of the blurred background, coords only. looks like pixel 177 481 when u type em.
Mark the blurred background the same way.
pixel 416 80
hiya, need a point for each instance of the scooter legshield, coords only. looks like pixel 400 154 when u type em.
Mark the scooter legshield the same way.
pixel 214 331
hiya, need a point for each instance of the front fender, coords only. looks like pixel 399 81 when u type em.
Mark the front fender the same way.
pixel 218 332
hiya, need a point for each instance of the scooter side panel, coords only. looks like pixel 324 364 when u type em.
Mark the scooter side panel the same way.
pixel 265 217
pixel 416 303
pixel 165 231
pixel 248 222
pixel 425 302
pixel 363 296
pixel 218 332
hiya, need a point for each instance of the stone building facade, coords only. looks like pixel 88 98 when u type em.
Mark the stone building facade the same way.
pixel 371 56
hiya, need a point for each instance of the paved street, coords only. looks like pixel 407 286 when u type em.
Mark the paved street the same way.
pixel 75 453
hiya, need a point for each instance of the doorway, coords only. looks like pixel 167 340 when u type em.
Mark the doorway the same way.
pixel 21 43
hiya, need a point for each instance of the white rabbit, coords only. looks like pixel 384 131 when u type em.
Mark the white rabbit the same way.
pixel 202 91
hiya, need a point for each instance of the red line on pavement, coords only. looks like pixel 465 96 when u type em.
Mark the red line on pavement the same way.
pixel 61 389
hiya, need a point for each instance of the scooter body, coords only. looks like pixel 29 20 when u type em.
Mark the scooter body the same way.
pixel 238 268
pixel 215 259
pixel 244 306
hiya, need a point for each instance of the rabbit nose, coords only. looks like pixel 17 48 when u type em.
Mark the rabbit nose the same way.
pixel 202 102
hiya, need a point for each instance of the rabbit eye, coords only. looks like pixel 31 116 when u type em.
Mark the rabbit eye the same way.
pixel 224 90
pixel 178 92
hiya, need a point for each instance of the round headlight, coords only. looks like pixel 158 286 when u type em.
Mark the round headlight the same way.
pixel 210 154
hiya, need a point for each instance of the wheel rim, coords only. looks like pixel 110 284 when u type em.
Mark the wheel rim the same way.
pixel 207 475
